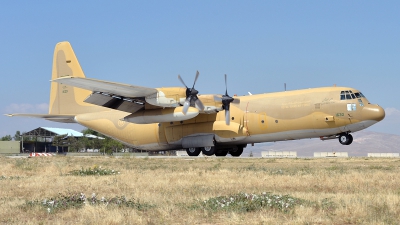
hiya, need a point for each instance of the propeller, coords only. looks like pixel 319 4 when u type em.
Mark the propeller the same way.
pixel 191 96
pixel 226 101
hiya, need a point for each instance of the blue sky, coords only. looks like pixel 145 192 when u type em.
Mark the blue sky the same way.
pixel 259 44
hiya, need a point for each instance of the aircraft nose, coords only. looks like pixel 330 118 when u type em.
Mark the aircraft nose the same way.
pixel 373 112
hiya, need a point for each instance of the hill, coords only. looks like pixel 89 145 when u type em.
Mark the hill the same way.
pixel 364 142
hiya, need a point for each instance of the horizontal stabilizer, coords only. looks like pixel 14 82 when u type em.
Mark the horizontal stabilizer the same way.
pixel 51 117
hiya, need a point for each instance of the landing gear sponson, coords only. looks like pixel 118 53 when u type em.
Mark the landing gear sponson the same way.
pixel 234 151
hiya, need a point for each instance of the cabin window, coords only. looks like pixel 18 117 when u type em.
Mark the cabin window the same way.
pixel 351 107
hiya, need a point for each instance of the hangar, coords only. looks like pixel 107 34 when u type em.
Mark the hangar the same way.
pixel 41 139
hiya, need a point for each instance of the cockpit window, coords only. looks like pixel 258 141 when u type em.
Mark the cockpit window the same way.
pixel 359 95
pixel 346 95
pixel 342 96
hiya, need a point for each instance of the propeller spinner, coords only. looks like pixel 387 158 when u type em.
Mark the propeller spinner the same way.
pixel 191 96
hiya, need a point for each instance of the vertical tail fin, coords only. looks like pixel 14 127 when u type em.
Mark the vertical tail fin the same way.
pixel 66 99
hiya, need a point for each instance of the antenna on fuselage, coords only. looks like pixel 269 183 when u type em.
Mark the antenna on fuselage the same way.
pixel 284 85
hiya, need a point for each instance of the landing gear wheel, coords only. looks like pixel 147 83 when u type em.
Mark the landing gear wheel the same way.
pixel 209 151
pixel 193 151
pixel 221 153
pixel 345 139
pixel 236 152
pixel 351 139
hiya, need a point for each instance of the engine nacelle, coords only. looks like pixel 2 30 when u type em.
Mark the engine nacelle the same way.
pixel 161 115
pixel 167 97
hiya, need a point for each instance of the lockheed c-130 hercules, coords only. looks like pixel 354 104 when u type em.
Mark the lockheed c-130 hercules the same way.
pixel 170 118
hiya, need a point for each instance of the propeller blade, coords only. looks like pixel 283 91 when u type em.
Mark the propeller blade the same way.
pixel 180 78
pixel 226 85
pixel 227 117
pixel 195 79
pixel 199 104
pixel 186 106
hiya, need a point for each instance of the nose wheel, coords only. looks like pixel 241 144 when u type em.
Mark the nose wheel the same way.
pixel 345 139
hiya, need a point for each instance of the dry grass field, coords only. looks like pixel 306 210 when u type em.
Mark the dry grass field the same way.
pixel 185 191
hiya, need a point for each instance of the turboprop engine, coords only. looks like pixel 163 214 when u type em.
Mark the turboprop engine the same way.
pixel 161 115
pixel 167 97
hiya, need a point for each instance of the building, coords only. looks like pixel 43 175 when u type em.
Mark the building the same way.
pixel 41 139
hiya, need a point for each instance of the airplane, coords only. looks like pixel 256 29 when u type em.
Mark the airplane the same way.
pixel 172 118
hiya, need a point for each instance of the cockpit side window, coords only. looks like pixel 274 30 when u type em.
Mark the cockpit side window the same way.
pixel 360 102
pixel 357 95
pixel 342 95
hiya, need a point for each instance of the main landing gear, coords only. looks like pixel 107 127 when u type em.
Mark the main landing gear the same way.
pixel 193 151
pixel 235 151
pixel 345 138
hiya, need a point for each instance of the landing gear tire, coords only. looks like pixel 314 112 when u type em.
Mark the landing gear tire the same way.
pixel 236 152
pixel 345 139
pixel 193 151
pixel 209 151
pixel 221 153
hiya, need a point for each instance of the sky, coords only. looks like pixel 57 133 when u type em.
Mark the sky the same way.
pixel 260 45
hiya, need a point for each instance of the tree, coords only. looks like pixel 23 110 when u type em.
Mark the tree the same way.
pixel 86 143
pixel 6 138
pixel 92 143
pixel 60 141
pixel 17 136
pixel 112 145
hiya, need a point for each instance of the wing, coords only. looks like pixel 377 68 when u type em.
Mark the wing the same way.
pixel 125 90
pixel 54 118
pixel 123 97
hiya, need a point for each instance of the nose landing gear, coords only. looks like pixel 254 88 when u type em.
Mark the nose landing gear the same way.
pixel 345 138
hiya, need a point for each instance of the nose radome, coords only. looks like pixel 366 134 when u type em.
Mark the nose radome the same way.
pixel 373 112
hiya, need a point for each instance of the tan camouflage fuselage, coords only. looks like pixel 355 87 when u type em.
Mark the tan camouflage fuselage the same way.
pixel 289 115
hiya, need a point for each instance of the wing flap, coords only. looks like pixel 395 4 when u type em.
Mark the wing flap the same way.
pixel 115 102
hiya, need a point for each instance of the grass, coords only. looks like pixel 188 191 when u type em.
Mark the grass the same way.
pixel 201 191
